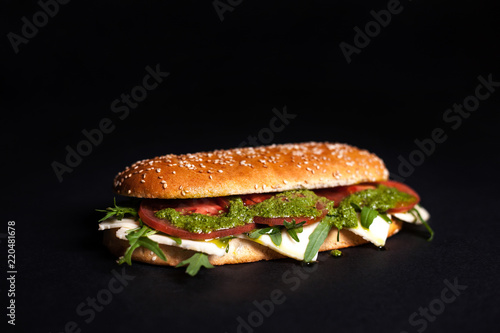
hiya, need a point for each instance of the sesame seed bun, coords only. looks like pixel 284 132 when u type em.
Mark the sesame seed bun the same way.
pixel 250 170
pixel 241 250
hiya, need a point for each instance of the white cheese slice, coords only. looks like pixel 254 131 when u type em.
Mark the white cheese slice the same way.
pixel 209 246
pixel 288 247
pixel 410 218
pixel 376 234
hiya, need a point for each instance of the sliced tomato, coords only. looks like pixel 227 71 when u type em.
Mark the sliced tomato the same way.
pixel 207 206
pixel 252 199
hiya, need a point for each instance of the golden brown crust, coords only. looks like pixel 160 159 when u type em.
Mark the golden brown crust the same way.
pixel 250 170
pixel 244 250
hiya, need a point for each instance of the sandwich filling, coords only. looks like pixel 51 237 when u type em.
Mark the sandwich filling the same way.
pixel 293 223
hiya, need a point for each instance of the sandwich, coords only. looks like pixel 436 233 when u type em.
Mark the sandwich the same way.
pixel 255 203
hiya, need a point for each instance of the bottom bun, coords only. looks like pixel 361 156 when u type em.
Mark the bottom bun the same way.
pixel 241 250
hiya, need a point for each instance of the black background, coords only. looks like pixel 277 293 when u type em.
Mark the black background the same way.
pixel 225 79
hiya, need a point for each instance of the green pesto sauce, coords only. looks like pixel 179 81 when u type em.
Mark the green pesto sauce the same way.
pixel 287 204
pixel 381 199
pixel 237 215
pixel 301 203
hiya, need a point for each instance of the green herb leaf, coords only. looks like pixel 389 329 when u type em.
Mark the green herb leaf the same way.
pixel 273 232
pixel 139 237
pixel 276 238
pixel 417 215
pixel 117 211
pixel 258 232
pixel 293 234
pixel 385 217
pixel 317 238
pixel 356 207
pixel 195 262
pixel 293 229
pixel 367 216
pixel 175 239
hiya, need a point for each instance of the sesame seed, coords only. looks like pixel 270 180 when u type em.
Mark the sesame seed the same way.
pixel 158 170
pixel 165 185
pixel 256 186
pixel 173 172
pixel 210 177
pixel 143 181
pixel 219 171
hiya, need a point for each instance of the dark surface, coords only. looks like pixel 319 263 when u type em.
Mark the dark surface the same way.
pixel 225 79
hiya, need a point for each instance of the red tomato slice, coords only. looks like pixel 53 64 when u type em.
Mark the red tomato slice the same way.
pixel 252 199
pixel 200 206
pixel 207 206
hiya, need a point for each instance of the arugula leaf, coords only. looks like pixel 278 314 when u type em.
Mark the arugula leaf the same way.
pixel 317 238
pixel 139 237
pixel 293 229
pixel 276 237
pixel 367 216
pixel 273 232
pixel 175 239
pixel 258 232
pixel 195 262
pixel 118 211
pixel 356 207
pixel 385 217
pixel 417 215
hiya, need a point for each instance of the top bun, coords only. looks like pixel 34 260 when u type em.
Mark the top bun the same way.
pixel 249 170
